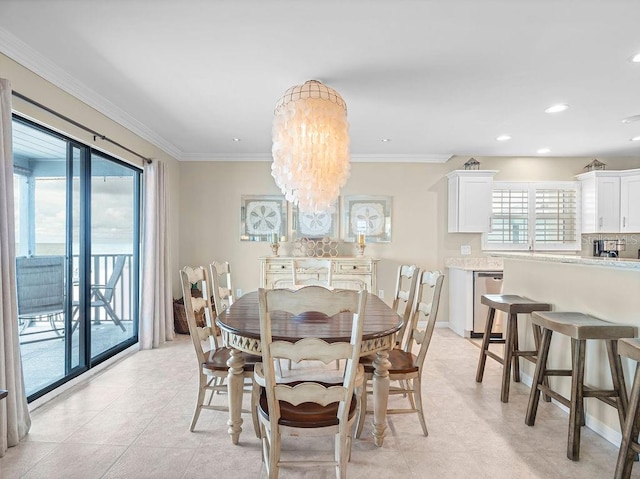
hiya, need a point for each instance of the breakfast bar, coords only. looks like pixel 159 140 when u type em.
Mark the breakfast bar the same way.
pixel 604 287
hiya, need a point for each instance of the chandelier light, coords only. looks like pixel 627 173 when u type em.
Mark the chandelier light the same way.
pixel 311 146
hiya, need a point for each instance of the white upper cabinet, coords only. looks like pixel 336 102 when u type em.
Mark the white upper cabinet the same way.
pixel 630 202
pixel 600 200
pixel 470 193
pixel 610 201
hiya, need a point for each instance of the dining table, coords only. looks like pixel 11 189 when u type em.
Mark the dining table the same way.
pixel 240 329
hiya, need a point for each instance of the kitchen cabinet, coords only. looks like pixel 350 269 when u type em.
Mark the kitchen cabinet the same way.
pixel 610 201
pixel 347 271
pixel 630 201
pixel 470 193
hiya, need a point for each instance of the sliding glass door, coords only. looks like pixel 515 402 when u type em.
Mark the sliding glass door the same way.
pixel 77 242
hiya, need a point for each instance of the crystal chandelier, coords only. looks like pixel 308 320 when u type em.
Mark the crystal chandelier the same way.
pixel 311 146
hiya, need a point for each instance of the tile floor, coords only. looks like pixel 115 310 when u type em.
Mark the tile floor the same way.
pixel 131 421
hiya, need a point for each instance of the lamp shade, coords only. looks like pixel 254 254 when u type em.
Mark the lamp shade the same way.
pixel 310 146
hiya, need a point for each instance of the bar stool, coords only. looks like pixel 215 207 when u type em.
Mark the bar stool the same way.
pixel 629 446
pixel 579 327
pixel 512 305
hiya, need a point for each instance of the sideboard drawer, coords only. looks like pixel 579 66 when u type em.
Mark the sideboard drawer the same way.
pixel 278 267
pixel 346 267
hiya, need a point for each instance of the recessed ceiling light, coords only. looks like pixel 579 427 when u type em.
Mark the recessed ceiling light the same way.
pixel 631 119
pixel 542 151
pixel 635 138
pixel 557 108
pixel 503 138
pixel 237 139
pixel 385 140
pixel 635 58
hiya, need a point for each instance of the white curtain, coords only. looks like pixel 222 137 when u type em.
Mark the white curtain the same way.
pixel 14 412
pixel 156 304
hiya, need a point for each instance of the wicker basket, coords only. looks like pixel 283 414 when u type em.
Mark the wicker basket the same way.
pixel 180 316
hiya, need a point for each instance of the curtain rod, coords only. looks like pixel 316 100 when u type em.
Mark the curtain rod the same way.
pixel 95 134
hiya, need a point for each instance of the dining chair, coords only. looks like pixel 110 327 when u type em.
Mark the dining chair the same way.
pixel 308 407
pixel 406 366
pixel 212 357
pixel 406 285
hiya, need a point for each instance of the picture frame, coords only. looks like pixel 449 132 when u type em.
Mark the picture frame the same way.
pixel 370 215
pixel 315 225
pixel 263 218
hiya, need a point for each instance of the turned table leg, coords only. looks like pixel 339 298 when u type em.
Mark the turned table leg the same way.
pixel 235 384
pixel 380 395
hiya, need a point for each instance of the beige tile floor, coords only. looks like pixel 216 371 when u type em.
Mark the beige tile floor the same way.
pixel 131 421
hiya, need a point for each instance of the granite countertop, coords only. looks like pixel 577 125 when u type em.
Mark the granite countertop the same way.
pixel 622 263
pixel 474 263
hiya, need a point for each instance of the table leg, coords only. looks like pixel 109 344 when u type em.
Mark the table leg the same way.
pixel 381 381
pixel 235 384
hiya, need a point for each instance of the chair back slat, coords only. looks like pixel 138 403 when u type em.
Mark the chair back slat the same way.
pixel 403 298
pixel 222 287
pixel 311 349
pixel 198 276
pixel 301 393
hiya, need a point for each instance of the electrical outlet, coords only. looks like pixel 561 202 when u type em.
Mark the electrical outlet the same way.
pixel 465 249
pixel 238 293
pixel 381 293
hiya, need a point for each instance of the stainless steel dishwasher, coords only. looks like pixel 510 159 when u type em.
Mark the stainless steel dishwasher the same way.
pixel 485 282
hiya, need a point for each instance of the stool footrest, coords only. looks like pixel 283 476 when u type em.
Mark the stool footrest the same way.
pixel 557 372
pixel 599 393
pixel 635 446
pixel 554 395
pixel 497 341
pixel 493 355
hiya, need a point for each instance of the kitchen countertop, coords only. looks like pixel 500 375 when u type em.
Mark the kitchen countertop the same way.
pixel 622 263
pixel 476 263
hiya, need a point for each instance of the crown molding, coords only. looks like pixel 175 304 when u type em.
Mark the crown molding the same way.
pixel 354 158
pixel 26 56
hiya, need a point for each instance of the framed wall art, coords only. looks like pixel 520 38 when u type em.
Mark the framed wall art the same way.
pixel 369 215
pixel 263 218
pixel 315 225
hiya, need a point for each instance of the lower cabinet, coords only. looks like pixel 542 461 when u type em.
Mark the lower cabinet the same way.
pixel 347 272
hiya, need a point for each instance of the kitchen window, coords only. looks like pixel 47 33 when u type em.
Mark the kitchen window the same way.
pixel 535 216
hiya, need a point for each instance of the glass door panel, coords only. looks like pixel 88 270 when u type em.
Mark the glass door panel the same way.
pixel 113 244
pixel 40 171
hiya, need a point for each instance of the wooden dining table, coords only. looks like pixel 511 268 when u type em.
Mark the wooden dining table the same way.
pixel 240 327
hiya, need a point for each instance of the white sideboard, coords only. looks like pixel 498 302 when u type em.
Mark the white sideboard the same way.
pixel 347 271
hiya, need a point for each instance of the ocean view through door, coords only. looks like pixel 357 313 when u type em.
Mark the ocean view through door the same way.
pixel 77 243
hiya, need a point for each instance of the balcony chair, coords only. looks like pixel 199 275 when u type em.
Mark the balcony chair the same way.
pixel 40 287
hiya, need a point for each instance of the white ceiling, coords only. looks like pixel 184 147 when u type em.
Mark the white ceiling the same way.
pixel 437 77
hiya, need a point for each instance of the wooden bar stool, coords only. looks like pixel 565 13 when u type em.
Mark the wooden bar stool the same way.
pixel 629 446
pixel 512 305
pixel 579 327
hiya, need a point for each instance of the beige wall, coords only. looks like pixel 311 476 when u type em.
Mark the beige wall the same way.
pixel 210 211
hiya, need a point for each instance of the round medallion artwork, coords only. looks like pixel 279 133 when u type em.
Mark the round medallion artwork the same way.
pixel 263 217
pixel 368 218
pixel 315 224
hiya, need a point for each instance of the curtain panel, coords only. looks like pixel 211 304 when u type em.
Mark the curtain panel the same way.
pixel 14 411
pixel 156 304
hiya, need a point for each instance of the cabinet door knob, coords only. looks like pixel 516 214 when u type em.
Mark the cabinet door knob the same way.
pixel 355 267
pixel 282 267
